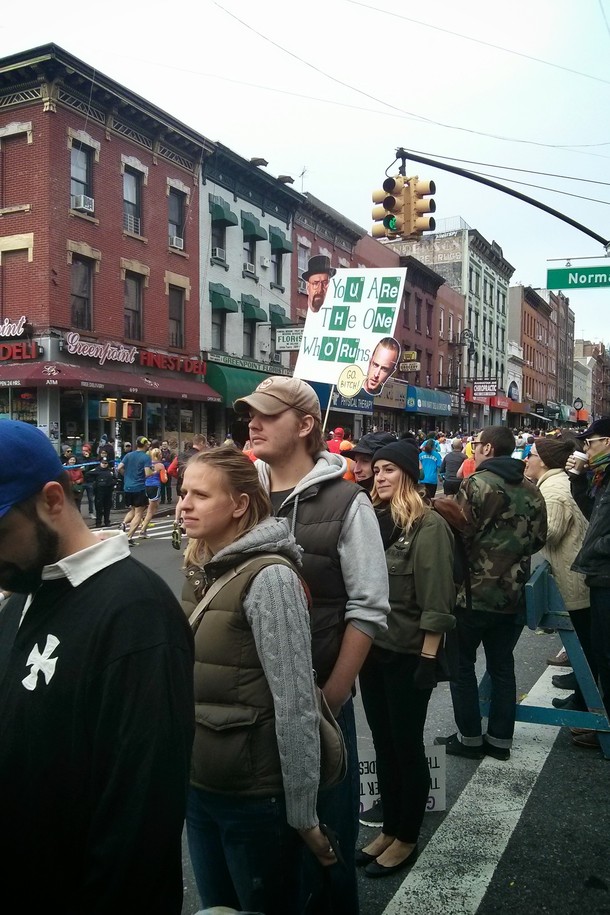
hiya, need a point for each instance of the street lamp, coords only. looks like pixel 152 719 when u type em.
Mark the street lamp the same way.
pixel 466 338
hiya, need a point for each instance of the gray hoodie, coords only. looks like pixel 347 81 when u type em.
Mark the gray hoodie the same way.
pixel 363 564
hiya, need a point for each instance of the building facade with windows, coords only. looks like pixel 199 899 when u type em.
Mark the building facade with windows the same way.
pixel 99 255
pixel 246 277
pixel 597 358
pixel 530 323
pixel 478 270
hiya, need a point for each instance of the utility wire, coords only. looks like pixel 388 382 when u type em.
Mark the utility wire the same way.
pixel 540 187
pixel 379 101
pixel 605 18
pixel 487 44
pixel 512 168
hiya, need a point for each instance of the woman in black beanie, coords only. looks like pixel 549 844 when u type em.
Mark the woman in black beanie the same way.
pixel 400 673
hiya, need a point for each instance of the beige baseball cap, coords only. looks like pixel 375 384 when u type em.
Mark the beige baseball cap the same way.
pixel 278 393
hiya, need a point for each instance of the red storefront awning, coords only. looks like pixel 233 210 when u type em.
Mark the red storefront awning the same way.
pixel 106 381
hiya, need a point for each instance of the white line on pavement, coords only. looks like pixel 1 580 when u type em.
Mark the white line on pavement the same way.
pixel 456 866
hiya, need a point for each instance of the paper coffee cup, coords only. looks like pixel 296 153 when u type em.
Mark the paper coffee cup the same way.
pixel 581 462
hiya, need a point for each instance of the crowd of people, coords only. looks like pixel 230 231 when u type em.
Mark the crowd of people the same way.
pixel 125 715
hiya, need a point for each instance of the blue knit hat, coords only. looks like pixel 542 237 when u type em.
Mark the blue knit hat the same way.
pixel 28 460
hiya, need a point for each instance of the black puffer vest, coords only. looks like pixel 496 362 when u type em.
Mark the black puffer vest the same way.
pixel 320 515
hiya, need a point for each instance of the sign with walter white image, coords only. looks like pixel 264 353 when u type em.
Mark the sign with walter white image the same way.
pixel 348 337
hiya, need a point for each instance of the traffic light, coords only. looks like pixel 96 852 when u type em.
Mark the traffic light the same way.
pixel 132 410
pixel 419 203
pixel 107 409
pixel 390 215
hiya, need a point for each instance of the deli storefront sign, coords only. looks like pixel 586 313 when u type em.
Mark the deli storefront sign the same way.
pixel 130 355
pixel 20 352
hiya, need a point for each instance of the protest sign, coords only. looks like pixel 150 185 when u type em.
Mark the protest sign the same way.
pixel 348 334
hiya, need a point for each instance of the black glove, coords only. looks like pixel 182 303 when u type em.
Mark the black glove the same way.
pixel 425 674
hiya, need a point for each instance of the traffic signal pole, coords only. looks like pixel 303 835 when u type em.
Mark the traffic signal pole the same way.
pixel 463 173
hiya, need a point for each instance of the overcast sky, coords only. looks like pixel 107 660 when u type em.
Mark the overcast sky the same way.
pixel 328 89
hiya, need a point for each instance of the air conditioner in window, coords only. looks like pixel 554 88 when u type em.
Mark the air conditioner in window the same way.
pixel 302 286
pixel 276 357
pixel 83 204
pixel 219 253
pixel 176 242
pixel 249 268
pixel 265 261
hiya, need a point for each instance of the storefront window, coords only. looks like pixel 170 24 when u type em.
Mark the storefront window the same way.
pixel 24 405
pixel 72 419
pixel 154 420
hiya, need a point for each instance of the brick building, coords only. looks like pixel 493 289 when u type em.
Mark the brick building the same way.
pixel 99 254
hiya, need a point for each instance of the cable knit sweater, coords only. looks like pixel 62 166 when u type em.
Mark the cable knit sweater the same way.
pixel 566 530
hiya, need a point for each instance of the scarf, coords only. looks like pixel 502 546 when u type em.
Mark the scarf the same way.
pixel 599 466
pixel 389 532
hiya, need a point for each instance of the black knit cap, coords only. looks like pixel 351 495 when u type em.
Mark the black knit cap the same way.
pixel 370 443
pixel 404 454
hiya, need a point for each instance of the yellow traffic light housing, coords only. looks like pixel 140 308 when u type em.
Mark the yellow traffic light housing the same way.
pixel 132 410
pixel 418 205
pixel 107 408
pixel 390 214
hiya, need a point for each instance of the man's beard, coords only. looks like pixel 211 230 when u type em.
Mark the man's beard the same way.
pixel 27 580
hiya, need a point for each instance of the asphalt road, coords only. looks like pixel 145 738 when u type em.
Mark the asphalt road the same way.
pixel 523 837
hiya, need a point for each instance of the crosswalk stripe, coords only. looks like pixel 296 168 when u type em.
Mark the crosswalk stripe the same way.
pixel 454 870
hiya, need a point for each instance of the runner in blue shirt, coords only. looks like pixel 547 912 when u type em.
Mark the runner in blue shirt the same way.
pixel 133 467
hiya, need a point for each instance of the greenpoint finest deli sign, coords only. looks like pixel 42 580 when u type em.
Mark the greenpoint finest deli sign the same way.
pixel 349 340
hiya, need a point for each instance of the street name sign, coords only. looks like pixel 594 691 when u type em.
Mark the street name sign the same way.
pixel 578 277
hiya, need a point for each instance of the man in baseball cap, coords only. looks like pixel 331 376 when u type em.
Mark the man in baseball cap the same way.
pixel 362 455
pixel 335 525
pixel 278 393
pixel 96 705
pixel 28 460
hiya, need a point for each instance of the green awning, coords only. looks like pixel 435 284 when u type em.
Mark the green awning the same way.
pixel 232 383
pixel 221 300
pixel 253 231
pixel 278 317
pixel 278 240
pixel 251 308
pixel 221 213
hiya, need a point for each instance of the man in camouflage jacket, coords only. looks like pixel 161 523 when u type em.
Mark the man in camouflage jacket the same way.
pixel 506 518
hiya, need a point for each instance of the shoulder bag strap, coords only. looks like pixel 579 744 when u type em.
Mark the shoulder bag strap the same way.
pixel 219 584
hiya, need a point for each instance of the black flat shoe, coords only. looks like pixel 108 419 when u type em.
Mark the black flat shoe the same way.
pixel 363 858
pixel 375 869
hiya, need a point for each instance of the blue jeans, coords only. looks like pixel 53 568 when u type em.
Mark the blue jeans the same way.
pixel 499 633
pixel 600 639
pixel 90 497
pixel 335 888
pixel 244 853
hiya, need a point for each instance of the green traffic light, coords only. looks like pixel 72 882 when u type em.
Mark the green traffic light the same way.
pixel 390 223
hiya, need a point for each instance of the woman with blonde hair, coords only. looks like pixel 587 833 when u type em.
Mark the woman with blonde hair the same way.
pixel 400 671
pixel 256 757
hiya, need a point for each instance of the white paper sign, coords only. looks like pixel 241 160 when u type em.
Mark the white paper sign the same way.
pixel 348 337
pixel 369 786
